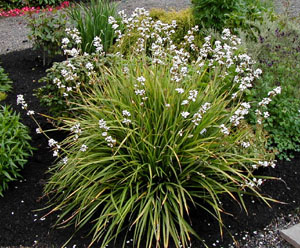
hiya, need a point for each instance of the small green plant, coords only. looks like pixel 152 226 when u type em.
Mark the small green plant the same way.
pixel 60 92
pixel 14 147
pixel 5 84
pixel 47 30
pixel 93 20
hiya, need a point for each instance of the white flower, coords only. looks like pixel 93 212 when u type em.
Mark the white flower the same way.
pixel 65 41
pixel 65 160
pixel 38 130
pixel 180 90
pixel 52 142
pixel 126 113
pixel 104 134
pixel 245 144
pixel 141 79
pixel 193 95
pixel 185 102
pixel 30 112
pixel 83 148
pixel 102 125
pixel 180 133
pixel 115 26
pixel 203 131
pixel 140 92
pixel 89 66
pixel 224 129
pixel 55 153
pixel 266 114
pixel 185 114
pixel 126 121
pixel 168 105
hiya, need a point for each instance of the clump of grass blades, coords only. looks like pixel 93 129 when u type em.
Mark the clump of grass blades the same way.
pixel 91 20
pixel 156 164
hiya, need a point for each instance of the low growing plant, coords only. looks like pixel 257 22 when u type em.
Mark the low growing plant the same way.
pixel 14 147
pixel 157 135
pixel 5 84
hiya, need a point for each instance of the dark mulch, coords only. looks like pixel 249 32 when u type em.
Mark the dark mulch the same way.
pixel 22 225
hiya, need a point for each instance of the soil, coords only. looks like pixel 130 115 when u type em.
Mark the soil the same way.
pixel 22 222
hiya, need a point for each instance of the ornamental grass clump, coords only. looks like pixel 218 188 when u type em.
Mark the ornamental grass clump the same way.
pixel 92 20
pixel 156 136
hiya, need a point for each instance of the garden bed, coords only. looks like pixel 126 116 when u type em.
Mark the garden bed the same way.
pixel 22 223
pixel 22 209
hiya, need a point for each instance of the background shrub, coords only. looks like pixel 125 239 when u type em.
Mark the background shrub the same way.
pixel 232 14
pixel 278 55
pixel 14 148
pixel 47 31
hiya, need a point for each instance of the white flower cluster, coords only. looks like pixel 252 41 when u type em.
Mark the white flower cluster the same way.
pixel 24 105
pixel 110 141
pixel 75 36
pixel 198 116
pixel 255 182
pixel 97 42
pixel 126 114
pixel 263 104
pixel 140 89
pixel 55 145
pixel 224 129
pixel 245 144
pixel 77 130
pixel 240 113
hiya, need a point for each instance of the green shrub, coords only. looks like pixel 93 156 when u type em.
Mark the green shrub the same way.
pixel 5 84
pixel 232 14
pixel 47 31
pixel 157 135
pixel 12 4
pixel 63 81
pixel 278 55
pixel 93 20
pixel 14 148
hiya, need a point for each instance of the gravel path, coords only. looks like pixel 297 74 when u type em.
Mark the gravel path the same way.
pixel 13 37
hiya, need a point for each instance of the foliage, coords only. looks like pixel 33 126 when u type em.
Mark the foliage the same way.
pixel 15 147
pixel 156 135
pixel 93 20
pixel 233 14
pixel 12 4
pixel 47 31
pixel 5 82
pixel 278 55
pixel 59 92
pixel 184 20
